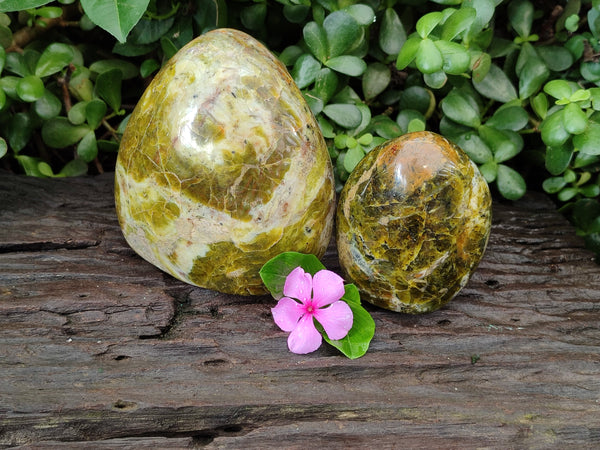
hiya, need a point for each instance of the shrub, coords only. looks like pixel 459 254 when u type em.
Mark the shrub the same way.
pixel 514 83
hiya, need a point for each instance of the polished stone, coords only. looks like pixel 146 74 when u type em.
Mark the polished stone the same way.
pixel 222 166
pixel 413 222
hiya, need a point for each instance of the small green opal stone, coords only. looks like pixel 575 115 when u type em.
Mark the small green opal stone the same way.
pixel 413 222
pixel 222 166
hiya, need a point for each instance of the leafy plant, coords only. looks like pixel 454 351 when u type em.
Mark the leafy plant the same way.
pixel 515 83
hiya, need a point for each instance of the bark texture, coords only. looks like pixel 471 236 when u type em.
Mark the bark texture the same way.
pixel 100 349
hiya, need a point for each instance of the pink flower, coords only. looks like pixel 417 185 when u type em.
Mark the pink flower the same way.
pixel 307 298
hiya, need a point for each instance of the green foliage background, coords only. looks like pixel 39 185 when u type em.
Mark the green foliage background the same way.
pixel 514 83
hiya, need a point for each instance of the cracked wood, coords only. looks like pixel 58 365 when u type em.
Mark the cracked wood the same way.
pixel 97 347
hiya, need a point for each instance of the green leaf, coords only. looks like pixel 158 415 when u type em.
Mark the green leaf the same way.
pixel 95 111
pixel 3 147
pixel 513 118
pixel 417 98
pixel 392 34
pixel 590 70
pixel 30 165
pixel 510 183
pixel 356 343
pixel 48 105
pixel 554 184
pixel 408 52
pixel 589 141
pixel 575 120
pixel 128 69
pixel 375 80
pixel 586 215
pixel 363 14
pixel 484 12
pixel 348 65
pixel 553 131
pixel 384 127
pixel 480 65
pixel 556 58
pixel 502 146
pixel 149 31
pixel 314 102
pixel 296 13
pixel 2 58
pixel 290 54
pixel 532 76
pixel 30 88
pixel 54 59
pixel 18 131
pixel 108 88
pixel 59 132
pixel 342 31
pixel 475 147
pixel 253 16
pixel 460 110
pixel 428 22
pixel 406 117
pixel 558 158
pixel 459 21
pixel 435 80
pixel 87 149
pixel 326 83
pixel 520 16
pixel 489 170
pixel 148 67
pixel 559 89
pixel 429 58
pixel 117 17
pixel 305 70
pixel 345 115
pixel 353 157
pixel 496 85
pixel 316 40
pixel 76 114
pixel 457 59
pixel 539 103
pixel 276 270
pixel 21 5
pixel 74 168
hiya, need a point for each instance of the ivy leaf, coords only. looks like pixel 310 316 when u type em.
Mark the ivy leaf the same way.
pixel 392 34
pixel 510 183
pixel 276 270
pixel 356 343
pixel 117 17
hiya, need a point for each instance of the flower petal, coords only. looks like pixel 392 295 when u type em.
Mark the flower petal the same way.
pixel 328 287
pixel 305 338
pixel 298 284
pixel 336 319
pixel 286 313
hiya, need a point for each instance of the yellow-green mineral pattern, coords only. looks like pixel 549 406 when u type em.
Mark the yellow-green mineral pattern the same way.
pixel 222 166
pixel 413 222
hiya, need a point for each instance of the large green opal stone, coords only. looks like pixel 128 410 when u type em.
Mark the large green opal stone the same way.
pixel 222 166
pixel 413 222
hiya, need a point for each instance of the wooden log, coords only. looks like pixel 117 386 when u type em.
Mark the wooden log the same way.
pixel 99 348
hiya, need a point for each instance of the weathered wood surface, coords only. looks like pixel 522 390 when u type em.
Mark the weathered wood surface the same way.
pixel 98 348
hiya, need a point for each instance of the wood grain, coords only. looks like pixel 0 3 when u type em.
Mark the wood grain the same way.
pixel 100 349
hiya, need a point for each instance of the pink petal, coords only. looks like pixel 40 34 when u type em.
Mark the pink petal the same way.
pixel 286 313
pixel 298 284
pixel 305 338
pixel 328 287
pixel 336 319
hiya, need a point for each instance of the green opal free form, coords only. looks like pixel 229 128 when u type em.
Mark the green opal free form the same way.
pixel 222 166
pixel 413 222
